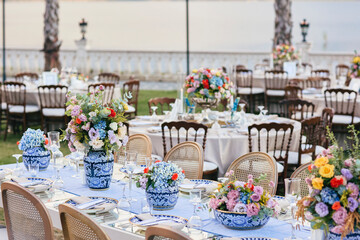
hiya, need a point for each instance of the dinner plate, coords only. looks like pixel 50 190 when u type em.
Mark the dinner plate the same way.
pixel 96 209
pixel 186 188
pixel 44 181
pixel 138 169
pixel 180 221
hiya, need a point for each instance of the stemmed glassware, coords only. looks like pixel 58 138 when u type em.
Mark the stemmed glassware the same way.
pixel 18 170
pixel 261 108
pixel 264 112
pixel 154 117
pixel 76 157
pixel 195 221
pixel 292 195
pixel 130 165
pixel 54 142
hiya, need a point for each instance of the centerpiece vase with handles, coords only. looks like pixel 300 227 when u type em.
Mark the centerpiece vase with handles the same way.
pixel 247 206
pixel 97 129
pixel 206 87
pixel 161 183
pixel 33 143
pixel 333 202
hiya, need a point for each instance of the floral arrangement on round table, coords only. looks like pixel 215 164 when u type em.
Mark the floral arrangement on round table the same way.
pixel 333 203
pixel 284 53
pixel 161 183
pixel 97 130
pixel 244 206
pixel 33 143
pixel 355 66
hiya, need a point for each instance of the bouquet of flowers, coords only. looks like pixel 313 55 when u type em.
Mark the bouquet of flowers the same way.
pixel 241 197
pixel 355 66
pixel 208 83
pixel 31 139
pixel 94 126
pixel 284 53
pixel 160 176
pixel 333 203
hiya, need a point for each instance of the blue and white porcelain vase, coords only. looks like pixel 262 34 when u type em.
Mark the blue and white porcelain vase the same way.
pixel 240 221
pixel 98 169
pixel 162 199
pixel 38 154
pixel 351 236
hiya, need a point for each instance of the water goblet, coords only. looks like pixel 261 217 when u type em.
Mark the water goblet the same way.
pixel 264 112
pixel 292 195
pixel 54 143
pixel 18 170
pixel 130 165
pixel 154 117
pixel 58 183
pixel 195 222
pixel 260 112
pixel 34 168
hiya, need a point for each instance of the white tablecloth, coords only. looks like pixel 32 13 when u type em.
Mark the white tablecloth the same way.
pixel 222 146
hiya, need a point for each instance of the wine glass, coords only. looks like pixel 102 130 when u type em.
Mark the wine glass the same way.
pixel 130 165
pixel 154 117
pixel 292 194
pixel 58 183
pixel 76 157
pixel 195 221
pixel 260 112
pixel 18 170
pixel 264 112
pixel 33 168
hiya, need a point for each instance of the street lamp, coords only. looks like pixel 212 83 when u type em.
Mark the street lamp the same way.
pixel 304 29
pixel 83 25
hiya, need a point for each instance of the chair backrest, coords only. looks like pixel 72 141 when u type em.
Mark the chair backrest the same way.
pixel 76 225
pixel 272 137
pixel 293 92
pixel 302 173
pixel 159 232
pixel 256 163
pixel 188 156
pixel 244 78
pixel 160 102
pixel 108 92
pixel 21 77
pixel 239 67
pixel 317 82
pixel 132 86
pixel 326 122
pixel 25 215
pixel 320 73
pixel 275 80
pixel 15 93
pixel 341 70
pixel 343 101
pixel 297 109
pixel 52 96
pixel 141 144
pixel 109 78
pixel 186 126
pixel 297 82
pixel 309 135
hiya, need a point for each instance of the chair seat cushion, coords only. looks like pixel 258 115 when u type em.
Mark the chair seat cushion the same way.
pixel 3 106
pixel 20 109
pixel 53 112
pixel 319 149
pixel 131 109
pixel 280 167
pixel 209 166
pixel 294 158
pixel 275 92
pixel 247 91
pixel 297 115
pixel 344 119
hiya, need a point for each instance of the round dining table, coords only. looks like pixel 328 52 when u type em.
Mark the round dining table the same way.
pixel 223 145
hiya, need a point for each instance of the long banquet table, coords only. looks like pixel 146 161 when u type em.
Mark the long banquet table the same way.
pixel 116 222
pixel 223 146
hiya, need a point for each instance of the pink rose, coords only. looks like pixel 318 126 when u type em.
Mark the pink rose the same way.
pixel 272 184
pixel 309 216
pixel 339 216
pixel 338 229
pixel 255 197
pixel 258 190
pixel 231 204
pixel 233 195
pixel 252 210
pixel 306 203
pixel 214 203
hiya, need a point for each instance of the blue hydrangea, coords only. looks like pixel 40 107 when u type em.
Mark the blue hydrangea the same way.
pixel 102 133
pixel 31 138
pixel 162 173
pixel 329 196
pixel 218 81
pixel 100 125
pixel 244 197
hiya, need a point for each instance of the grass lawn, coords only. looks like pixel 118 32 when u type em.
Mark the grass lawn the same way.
pixel 8 148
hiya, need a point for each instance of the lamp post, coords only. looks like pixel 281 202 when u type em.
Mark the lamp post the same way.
pixel 304 29
pixel 83 25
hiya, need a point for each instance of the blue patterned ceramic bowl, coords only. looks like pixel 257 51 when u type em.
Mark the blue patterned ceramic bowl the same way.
pixel 351 236
pixel 37 154
pixel 239 221
pixel 98 169
pixel 162 200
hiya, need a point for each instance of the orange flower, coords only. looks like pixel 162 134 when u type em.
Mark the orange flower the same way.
pixel 146 170
pixel 46 141
pixel 78 121
pixel 174 176
pixel 17 142
pixel 310 167
pixel 336 206
pixel 183 171
pixel 112 114
pixel 157 161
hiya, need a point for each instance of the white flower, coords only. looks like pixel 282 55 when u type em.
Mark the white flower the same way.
pixel 122 132
pixel 92 114
pixel 96 143
pixel 113 126
pixel 79 146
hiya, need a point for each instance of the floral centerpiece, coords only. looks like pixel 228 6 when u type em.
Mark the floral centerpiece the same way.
pixel 284 53
pixel 355 66
pixel 161 182
pixel 242 205
pixel 98 130
pixel 33 143
pixel 333 203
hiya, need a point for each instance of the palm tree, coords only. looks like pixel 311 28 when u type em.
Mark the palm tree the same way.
pixel 51 30
pixel 283 23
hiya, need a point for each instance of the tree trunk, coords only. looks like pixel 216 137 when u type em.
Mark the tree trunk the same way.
pixel 283 23
pixel 51 30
